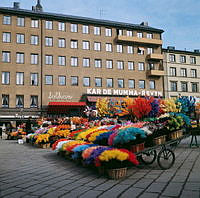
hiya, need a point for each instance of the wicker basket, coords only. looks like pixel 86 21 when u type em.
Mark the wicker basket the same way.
pixel 176 134
pixel 159 140
pixel 136 148
pixel 117 173
pixel 179 133
pixel 101 170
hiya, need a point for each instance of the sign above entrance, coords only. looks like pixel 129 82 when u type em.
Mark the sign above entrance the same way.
pixel 122 92
pixel 59 96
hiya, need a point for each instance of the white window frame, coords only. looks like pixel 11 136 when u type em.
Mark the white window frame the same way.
pixel 48 79
pixel 141 84
pixel 34 79
pixel 74 27
pixel 6 20
pixel 139 34
pixel 19 78
pixel 6 56
pixel 5 100
pixel 61 42
pixel 129 33
pixel 98 82
pixel 74 61
pixel 85 29
pixel 61 60
pixel 109 64
pixel 130 65
pixel 33 101
pixel 49 41
pixel 74 83
pixel 6 37
pixel 141 66
pixel 86 45
pixel 20 21
pixel 130 49
pixel 131 83
pixel 49 59
pixel 86 62
pixel 5 78
pixel 86 81
pixel 48 25
pixel 62 80
pixel 120 65
pixel 108 82
pixel 19 101
pixel 74 44
pixel 108 47
pixel 97 63
pixel 20 57
pixel 97 31
pixel 152 84
pixel 34 39
pixel 61 26
pixel 108 32
pixel 120 83
pixel 34 59
pixel 119 48
pixel 20 38
pixel 97 46
pixel 34 23
pixel 149 35
pixel 193 73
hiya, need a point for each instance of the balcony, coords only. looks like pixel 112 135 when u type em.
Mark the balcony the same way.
pixel 155 72
pixel 156 57
pixel 139 40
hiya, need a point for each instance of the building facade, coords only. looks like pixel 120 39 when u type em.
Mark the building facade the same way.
pixel 182 76
pixel 60 60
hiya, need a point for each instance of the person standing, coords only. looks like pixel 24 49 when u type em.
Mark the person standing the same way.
pixel 28 127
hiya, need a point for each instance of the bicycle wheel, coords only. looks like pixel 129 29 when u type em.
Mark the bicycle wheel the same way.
pixel 148 157
pixel 166 158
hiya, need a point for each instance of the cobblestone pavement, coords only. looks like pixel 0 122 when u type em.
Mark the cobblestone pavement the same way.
pixel 30 172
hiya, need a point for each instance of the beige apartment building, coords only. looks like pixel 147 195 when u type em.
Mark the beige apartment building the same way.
pixel 59 63
pixel 182 76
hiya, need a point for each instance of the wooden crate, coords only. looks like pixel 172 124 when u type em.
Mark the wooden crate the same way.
pixel 159 140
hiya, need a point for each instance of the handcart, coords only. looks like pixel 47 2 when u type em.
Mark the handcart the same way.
pixel 164 153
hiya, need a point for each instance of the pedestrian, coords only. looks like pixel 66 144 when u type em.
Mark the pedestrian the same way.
pixel 1 132
pixel 28 127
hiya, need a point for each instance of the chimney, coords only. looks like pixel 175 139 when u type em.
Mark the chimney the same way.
pixel 16 5
pixel 171 48
pixel 197 51
pixel 144 23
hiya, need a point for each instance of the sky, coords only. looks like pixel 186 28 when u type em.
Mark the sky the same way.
pixel 180 19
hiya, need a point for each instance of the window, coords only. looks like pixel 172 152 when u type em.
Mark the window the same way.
pixel 61 26
pixel 48 59
pixel 120 65
pixel 109 82
pixel 97 46
pixel 119 32
pixel 130 49
pixel 151 66
pixel 34 59
pixel 19 101
pixel 5 101
pixel 173 85
pixel 74 80
pixel 130 65
pixel 183 72
pixel 49 41
pixel 20 38
pixel 108 47
pixel 192 60
pixel 74 61
pixel 97 31
pixel 98 82
pixel 20 21
pixel 193 73
pixel 194 87
pixel 34 40
pixel 152 84
pixel 172 58
pixel 5 57
pixel 120 83
pixel 6 37
pixel 74 27
pixel 74 44
pixel 109 64
pixel 86 45
pixel 142 84
pixel 139 35
pixel 62 80
pixel 140 66
pixel 149 35
pixel 48 80
pixel 172 71
pixel 61 42
pixel 34 79
pixel 184 86
pixel 62 60
pixel 97 63
pixel 120 48
pixel 85 29
pixel 7 20
pixel 86 62
pixel 108 32
pixel 34 23
pixel 129 33
pixel 49 25
pixel 182 59
pixel 140 50
pixel 86 81
pixel 131 83
pixel 19 78
pixel 34 101
pixel 5 78
pixel 20 58
pixel 149 50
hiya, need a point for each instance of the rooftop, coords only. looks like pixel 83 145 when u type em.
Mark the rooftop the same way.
pixel 78 19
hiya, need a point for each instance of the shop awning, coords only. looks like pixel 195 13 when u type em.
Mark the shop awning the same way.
pixel 67 104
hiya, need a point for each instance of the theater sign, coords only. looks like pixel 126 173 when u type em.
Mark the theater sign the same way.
pixel 123 92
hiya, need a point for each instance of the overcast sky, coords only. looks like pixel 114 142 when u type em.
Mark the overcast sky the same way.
pixel 180 19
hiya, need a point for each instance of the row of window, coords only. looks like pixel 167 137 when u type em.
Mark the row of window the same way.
pixel 183 72
pixel 73 27
pixel 182 58
pixel 86 45
pixel 19 101
pixel 74 61
pixel 34 81
pixel 184 86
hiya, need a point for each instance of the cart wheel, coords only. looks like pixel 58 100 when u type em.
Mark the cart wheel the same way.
pixel 148 157
pixel 166 158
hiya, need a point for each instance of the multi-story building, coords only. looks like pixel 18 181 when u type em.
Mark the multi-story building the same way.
pixel 67 61
pixel 182 73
